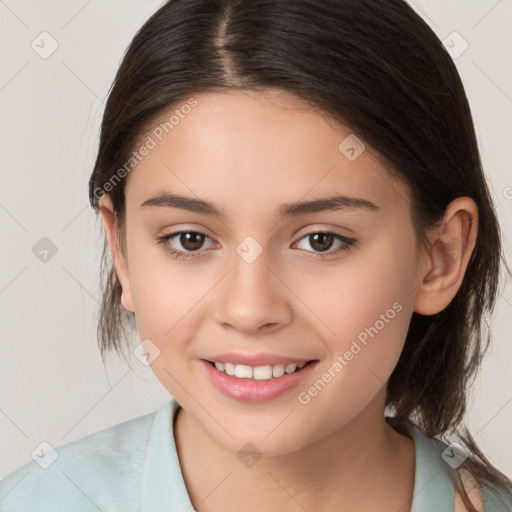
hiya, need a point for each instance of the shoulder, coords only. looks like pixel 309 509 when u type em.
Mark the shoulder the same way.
pixel 432 468
pixel 483 495
pixel 100 471
pixel 472 488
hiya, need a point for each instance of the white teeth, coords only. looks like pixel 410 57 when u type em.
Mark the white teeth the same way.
pixel 266 372
pixel 262 372
pixel 278 370
pixel 229 368
pixel 290 368
pixel 243 372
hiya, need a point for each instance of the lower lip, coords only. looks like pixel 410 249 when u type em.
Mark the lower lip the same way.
pixel 254 391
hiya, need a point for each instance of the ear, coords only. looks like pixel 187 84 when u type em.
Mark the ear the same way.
pixel 448 255
pixel 110 224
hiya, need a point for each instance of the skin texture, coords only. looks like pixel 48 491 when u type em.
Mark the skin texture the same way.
pixel 248 153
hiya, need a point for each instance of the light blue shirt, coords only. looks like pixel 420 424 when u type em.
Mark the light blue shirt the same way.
pixel 134 467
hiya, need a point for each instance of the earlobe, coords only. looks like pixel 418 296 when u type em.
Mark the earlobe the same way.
pixel 447 258
pixel 113 237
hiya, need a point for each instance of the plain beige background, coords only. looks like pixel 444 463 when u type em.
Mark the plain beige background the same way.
pixel 53 385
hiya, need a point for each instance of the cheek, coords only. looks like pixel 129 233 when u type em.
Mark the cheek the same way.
pixel 352 295
pixel 169 305
pixel 167 295
pixel 365 305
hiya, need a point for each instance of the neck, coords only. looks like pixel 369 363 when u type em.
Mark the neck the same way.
pixel 364 465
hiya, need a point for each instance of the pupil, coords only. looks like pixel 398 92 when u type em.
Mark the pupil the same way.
pixel 321 241
pixel 191 241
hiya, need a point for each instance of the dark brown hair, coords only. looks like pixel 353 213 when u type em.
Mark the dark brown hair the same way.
pixel 374 66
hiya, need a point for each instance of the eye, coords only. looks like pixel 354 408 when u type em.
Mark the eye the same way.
pixel 322 241
pixel 190 244
pixel 190 241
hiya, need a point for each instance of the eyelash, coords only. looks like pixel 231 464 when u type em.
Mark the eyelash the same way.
pixel 349 243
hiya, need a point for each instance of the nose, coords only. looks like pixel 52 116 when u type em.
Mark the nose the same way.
pixel 252 299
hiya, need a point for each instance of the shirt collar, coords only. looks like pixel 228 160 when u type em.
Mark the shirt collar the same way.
pixel 163 484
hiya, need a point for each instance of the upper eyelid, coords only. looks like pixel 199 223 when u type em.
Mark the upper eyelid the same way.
pixel 298 239
pixel 295 234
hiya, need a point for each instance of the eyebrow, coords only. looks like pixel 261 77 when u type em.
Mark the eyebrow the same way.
pixel 331 203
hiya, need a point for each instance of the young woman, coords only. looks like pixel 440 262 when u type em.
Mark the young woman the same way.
pixel 303 238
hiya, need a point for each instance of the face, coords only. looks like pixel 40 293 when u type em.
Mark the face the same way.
pixel 259 279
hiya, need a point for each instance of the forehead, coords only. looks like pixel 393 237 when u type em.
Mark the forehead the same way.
pixel 256 146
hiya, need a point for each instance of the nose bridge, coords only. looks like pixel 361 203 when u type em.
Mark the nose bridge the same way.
pixel 251 296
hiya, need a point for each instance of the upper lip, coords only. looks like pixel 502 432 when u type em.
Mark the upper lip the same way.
pixel 261 359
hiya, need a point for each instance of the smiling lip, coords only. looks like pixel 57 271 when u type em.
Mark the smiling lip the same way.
pixel 261 359
pixel 251 390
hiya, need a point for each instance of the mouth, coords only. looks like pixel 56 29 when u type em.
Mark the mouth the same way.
pixel 256 384
pixel 262 372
